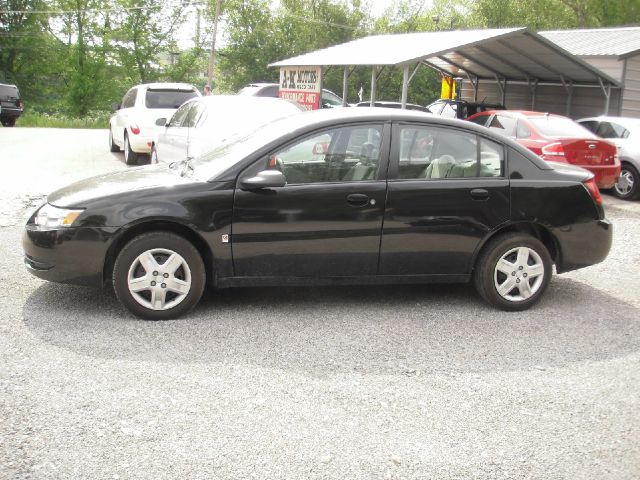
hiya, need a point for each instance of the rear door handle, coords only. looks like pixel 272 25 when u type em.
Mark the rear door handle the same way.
pixel 480 194
pixel 357 199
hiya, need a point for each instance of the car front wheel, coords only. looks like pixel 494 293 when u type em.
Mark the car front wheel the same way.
pixel 628 185
pixel 513 271
pixel 158 276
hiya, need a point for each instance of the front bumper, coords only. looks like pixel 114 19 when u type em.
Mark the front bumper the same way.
pixel 583 244
pixel 68 255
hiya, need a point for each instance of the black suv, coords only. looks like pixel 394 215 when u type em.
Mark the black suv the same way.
pixel 10 104
pixel 461 108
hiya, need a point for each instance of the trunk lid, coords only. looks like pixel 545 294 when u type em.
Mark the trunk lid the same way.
pixel 587 151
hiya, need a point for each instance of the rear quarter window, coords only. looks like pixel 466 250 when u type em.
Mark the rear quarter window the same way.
pixel 166 98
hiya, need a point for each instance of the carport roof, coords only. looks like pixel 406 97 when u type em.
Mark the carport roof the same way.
pixel 497 54
pixel 619 41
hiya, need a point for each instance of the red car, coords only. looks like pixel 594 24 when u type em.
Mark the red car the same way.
pixel 557 139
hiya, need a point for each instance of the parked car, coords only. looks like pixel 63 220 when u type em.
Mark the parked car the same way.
pixel 330 197
pixel 387 104
pixel 460 108
pixel 625 134
pixel 133 125
pixel 328 99
pixel 11 106
pixel 556 139
pixel 203 122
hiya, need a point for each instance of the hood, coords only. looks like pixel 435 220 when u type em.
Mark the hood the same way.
pixel 103 186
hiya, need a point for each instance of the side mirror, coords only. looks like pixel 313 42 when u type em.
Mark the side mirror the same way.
pixel 264 179
pixel 162 122
pixel 115 107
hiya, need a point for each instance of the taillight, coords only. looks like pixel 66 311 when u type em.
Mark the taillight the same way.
pixel 553 150
pixel 593 190
pixel 135 129
pixel 19 103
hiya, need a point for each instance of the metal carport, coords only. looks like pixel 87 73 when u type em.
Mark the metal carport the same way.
pixel 502 57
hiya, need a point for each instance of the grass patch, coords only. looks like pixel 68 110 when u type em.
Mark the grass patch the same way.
pixel 59 120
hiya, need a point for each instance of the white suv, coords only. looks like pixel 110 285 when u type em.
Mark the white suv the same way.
pixel 132 127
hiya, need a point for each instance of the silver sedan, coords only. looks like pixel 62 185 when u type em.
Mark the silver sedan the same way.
pixel 625 133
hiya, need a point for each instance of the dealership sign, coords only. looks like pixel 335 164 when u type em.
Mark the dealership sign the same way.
pixel 302 85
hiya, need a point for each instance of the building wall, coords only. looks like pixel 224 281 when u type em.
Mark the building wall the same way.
pixel 610 65
pixel 585 102
pixel 631 93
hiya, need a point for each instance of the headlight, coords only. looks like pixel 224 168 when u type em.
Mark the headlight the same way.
pixel 53 217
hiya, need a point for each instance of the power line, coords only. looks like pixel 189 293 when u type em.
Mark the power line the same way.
pixel 66 12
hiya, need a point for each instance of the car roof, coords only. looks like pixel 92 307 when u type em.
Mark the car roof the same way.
pixel 167 86
pixel 240 100
pixel 518 113
pixel 624 121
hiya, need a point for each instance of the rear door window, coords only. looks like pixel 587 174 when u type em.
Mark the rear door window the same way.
pixel 129 99
pixel 167 98
pixel 439 153
pixel 612 130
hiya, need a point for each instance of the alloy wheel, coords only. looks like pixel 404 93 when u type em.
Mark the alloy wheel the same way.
pixel 518 274
pixel 624 185
pixel 159 279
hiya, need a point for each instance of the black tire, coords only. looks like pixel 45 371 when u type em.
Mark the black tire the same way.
pixel 486 277
pixel 130 157
pixel 8 122
pixel 167 243
pixel 628 174
pixel 153 156
pixel 113 147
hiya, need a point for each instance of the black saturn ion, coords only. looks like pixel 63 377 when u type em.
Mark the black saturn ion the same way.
pixel 343 196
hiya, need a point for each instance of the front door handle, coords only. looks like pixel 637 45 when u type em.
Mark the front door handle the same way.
pixel 480 194
pixel 357 199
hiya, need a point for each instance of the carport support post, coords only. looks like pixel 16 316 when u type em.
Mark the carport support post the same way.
pixel 533 85
pixel 374 80
pixel 608 101
pixel 405 85
pixel 345 81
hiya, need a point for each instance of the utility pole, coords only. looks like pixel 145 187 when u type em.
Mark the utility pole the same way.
pixel 212 55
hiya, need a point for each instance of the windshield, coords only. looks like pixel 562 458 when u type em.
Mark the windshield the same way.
pixel 165 98
pixel 234 150
pixel 559 127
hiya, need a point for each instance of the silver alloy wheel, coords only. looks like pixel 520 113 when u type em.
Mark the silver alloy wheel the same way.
pixel 126 149
pixel 159 279
pixel 518 274
pixel 625 182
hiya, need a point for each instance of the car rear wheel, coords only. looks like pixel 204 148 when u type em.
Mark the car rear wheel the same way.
pixel 513 271
pixel 628 185
pixel 113 147
pixel 130 157
pixel 158 276
pixel 8 122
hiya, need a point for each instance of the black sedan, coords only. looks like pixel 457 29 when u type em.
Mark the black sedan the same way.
pixel 334 197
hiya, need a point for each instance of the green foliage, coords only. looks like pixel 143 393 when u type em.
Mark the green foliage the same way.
pixel 83 60
pixel 92 119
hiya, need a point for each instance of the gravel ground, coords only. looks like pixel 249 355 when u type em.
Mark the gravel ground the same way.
pixel 351 382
